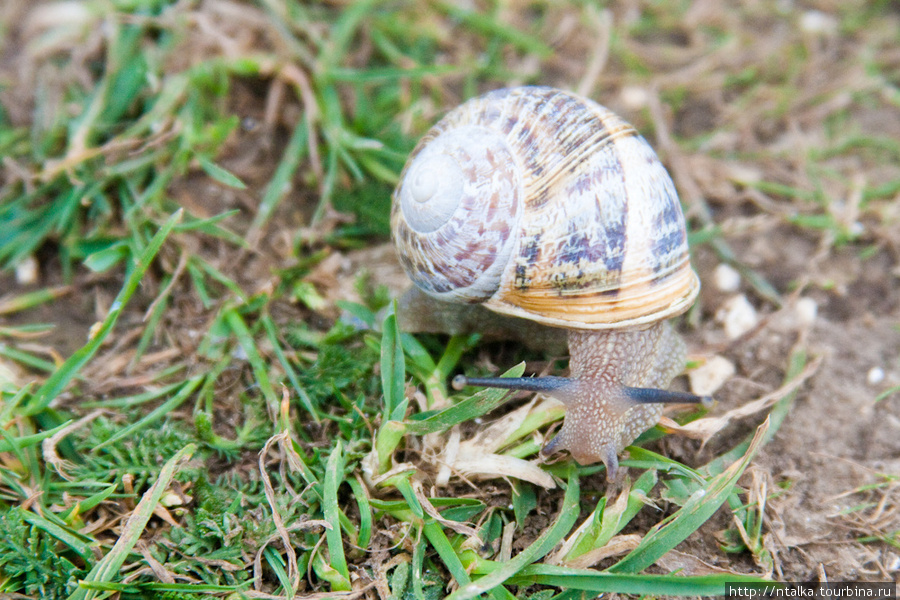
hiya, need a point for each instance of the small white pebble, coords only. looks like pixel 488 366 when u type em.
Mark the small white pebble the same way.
pixel 27 271
pixel 806 310
pixel 892 562
pixel 726 278
pixel 875 376
pixel 710 376
pixel 744 174
pixel 634 97
pixel 737 316
pixel 856 228
pixel 170 499
pixel 818 23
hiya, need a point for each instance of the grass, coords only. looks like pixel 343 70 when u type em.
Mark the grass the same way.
pixel 217 431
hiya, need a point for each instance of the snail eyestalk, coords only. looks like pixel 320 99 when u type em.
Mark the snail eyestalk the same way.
pixel 547 385
pixel 562 385
pixel 655 396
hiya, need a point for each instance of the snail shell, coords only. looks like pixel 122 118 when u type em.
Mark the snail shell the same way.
pixel 544 205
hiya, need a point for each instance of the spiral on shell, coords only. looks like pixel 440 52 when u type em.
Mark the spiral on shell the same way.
pixel 544 205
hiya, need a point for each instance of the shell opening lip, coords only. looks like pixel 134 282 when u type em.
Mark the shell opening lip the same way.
pixel 586 318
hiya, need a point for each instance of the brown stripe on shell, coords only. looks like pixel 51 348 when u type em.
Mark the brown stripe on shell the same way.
pixel 582 211
pixel 577 223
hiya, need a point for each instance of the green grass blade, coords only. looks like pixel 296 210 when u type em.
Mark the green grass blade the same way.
pixel 92 501
pixel 159 412
pixel 110 565
pixel 438 540
pixel 568 514
pixel 699 507
pixel 134 400
pixel 276 565
pixel 621 583
pixel 334 474
pixel 388 74
pixel 29 360
pixel 61 378
pixel 32 299
pixel 482 402
pixel 279 186
pixel 221 175
pixel 74 540
pixel 494 29
pixel 245 339
pixel 272 333
pixel 365 512
pixel 393 371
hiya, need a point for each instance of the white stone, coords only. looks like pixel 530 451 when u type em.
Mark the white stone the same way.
pixel 737 316
pixel 726 278
pixel 818 22
pixel 27 271
pixel 634 97
pixel 706 379
pixel 875 376
pixel 806 311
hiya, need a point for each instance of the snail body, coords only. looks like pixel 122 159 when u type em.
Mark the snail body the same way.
pixel 539 204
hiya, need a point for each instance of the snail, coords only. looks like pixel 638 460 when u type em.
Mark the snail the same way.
pixel 536 203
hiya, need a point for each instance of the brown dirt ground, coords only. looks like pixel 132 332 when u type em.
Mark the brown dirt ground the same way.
pixel 836 437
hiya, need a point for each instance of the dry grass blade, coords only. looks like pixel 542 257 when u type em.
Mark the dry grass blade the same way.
pixel 109 566
pixel 479 455
pixel 706 427
pixel 293 572
pixel 618 545
pixel 48 446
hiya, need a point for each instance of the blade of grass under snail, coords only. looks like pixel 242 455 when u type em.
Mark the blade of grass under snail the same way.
pixel 568 514
pixel 476 405
pixel 434 375
pixel 609 519
pixel 696 511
